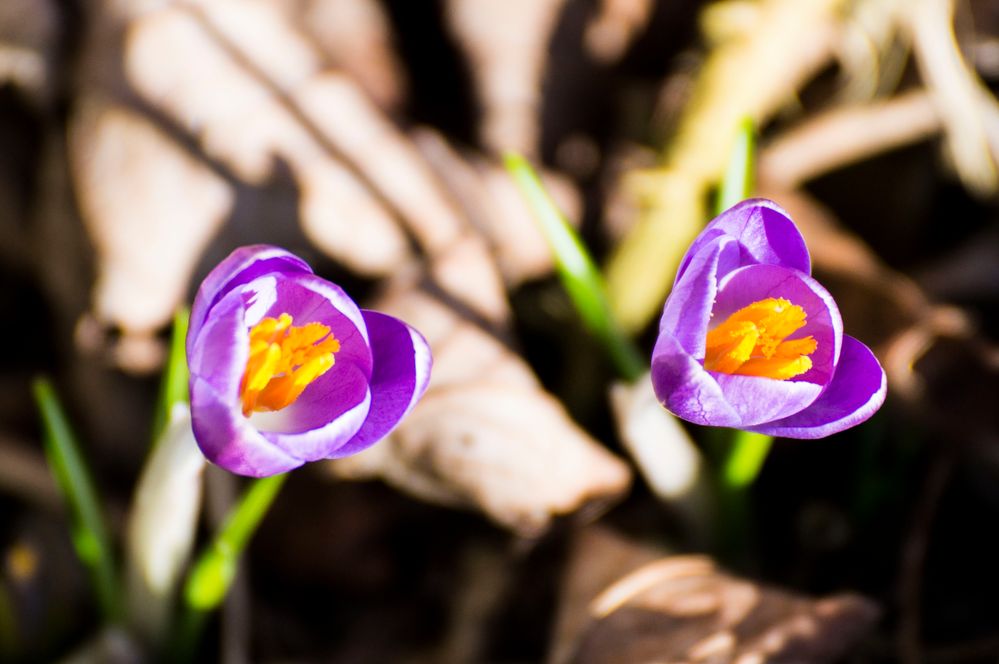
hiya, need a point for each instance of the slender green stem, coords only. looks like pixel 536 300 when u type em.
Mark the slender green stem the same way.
pixel 576 269
pixel 745 458
pixel 173 388
pixel 90 535
pixel 214 570
pixel 738 183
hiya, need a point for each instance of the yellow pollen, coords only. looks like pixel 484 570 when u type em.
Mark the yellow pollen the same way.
pixel 284 360
pixel 753 342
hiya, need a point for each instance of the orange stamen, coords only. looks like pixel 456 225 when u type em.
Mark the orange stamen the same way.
pixel 284 360
pixel 753 342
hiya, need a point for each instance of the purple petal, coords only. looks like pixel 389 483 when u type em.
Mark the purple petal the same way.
pixel 685 388
pixel 856 392
pixel 217 361
pixel 758 282
pixel 308 299
pixel 694 394
pixel 757 400
pixel 219 351
pixel 765 233
pixel 342 388
pixel 240 267
pixel 341 416
pixel 688 308
pixel 227 439
pixel 400 376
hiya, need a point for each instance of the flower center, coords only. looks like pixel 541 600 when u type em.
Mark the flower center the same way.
pixel 751 342
pixel 284 360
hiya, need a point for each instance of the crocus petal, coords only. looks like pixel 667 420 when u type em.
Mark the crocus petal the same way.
pixel 308 298
pixel 705 397
pixel 240 267
pixel 344 418
pixel 856 392
pixel 401 373
pixel 217 362
pixel 229 440
pixel 218 353
pixel 758 282
pixel 688 309
pixel 756 400
pixel 765 233
pixel 685 388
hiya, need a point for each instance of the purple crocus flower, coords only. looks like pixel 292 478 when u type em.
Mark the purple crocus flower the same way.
pixel 286 369
pixel 748 339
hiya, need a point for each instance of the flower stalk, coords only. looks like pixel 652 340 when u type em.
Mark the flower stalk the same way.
pixel 576 269
pixel 213 572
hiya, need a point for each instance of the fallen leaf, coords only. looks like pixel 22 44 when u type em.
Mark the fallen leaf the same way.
pixel 493 206
pixel 486 435
pixel 357 38
pixel 150 209
pixel 506 44
pixel 685 609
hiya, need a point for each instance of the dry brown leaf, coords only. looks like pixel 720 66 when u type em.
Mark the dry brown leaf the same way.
pixel 356 36
pixel 494 206
pixel 276 103
pixel 969 112
pixel 684 609
pixel 244 89
pixel 486 435
pixel 845 135
pixel 241 115
pixel 598 558
pixel 150 209
pixel 506 42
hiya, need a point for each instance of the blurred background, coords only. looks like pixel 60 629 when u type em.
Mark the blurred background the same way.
pixel 534 507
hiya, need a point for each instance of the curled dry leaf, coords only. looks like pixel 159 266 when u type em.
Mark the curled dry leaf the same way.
pixel 845 135
pixel 486 435
pixel 228 78
pixel 685 609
